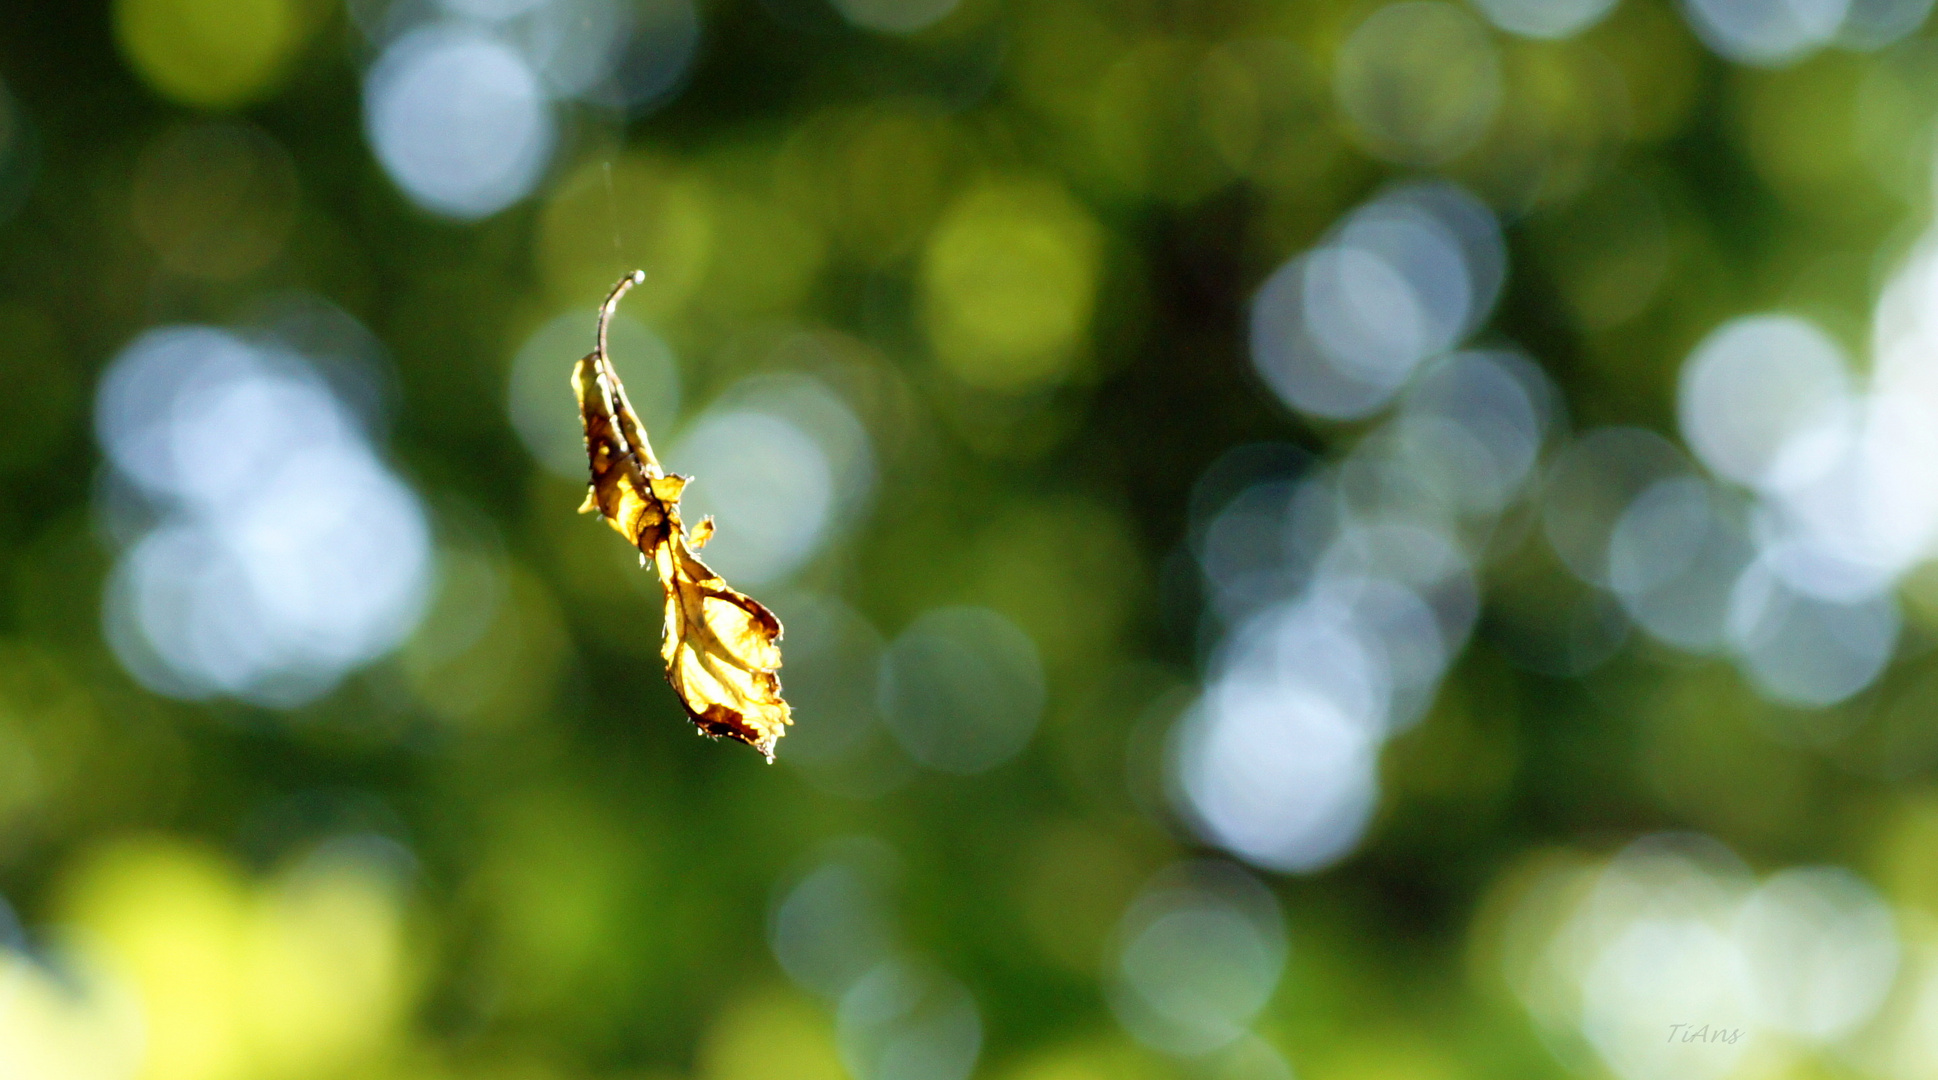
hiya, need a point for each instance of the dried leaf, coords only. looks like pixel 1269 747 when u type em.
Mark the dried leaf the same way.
pixel 721 647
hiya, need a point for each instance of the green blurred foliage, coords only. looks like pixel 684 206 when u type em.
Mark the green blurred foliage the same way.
pixel 1019 245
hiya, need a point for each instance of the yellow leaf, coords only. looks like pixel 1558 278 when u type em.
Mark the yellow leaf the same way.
pixel 721 647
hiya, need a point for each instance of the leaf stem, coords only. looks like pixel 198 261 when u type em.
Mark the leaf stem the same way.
pixel 612 303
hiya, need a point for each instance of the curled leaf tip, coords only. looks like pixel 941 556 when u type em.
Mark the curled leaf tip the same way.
pixel 721 647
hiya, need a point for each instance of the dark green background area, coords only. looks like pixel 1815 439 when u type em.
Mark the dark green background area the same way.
pixel 589 885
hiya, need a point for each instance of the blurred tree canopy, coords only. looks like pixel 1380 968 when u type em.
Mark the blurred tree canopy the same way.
pixel 1348 540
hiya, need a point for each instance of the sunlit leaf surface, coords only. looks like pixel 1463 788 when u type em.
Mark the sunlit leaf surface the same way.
pixel 722 647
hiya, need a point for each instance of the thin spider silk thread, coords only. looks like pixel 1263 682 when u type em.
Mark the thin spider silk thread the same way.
pixel 612 211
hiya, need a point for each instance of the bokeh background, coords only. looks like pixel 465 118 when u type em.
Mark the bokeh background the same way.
pixel 1375 540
